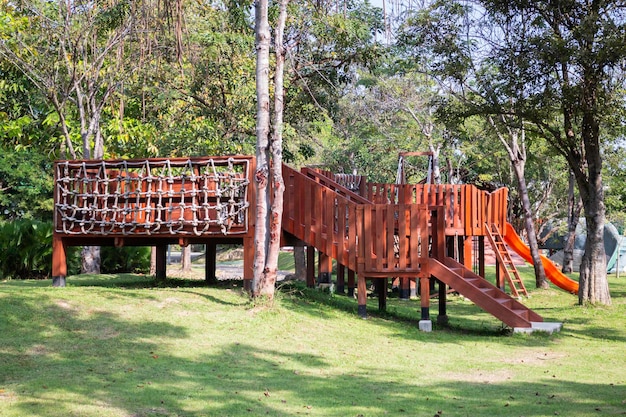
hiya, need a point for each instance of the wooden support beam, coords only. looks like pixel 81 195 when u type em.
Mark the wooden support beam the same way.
pixel 210 264
pixel 59 262
pixel 341 279
pixel 468 242
pixel 161 262
pixel 362 296
pixel 500 273
pixel 248 262
pixel 324 269
pixel 381 289
pixel 481 256
pixel 425 298
pixel 351 282
pixel 442 318
pixel 405 288
pixel 310 266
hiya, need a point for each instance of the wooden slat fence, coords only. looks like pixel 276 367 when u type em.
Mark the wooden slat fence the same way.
pixel 372 239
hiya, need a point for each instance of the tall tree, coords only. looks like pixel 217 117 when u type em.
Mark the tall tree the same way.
pixel 67 50
pixel 555 61
pixel 268 175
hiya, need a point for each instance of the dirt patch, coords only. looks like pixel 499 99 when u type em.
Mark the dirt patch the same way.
pixel 107 333
pixel 534 358
pixel 37 350
pixel 64 305
pixel 481 376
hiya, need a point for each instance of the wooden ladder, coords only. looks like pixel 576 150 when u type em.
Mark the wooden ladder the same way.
pixel 504 258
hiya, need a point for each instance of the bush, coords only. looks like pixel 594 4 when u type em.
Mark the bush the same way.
pixel 25 249
pixel 26 253
pixel 125 259
pixel 26 181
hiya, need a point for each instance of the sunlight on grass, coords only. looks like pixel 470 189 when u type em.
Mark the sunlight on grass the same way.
pixel 118 345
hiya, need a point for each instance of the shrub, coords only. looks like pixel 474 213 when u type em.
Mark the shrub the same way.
pixel 125 259
pixel 25 249
pixel 26 253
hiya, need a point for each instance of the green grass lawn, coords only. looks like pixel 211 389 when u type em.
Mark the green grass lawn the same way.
pixel 122 346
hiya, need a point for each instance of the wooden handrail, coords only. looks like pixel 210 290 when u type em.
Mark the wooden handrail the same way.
pixel 330 183
pixel 374 239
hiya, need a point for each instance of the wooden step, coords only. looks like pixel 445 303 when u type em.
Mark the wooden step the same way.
pixel 484 294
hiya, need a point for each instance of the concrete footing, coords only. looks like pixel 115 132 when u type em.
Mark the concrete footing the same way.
pixel 58 281
pixel 546 327
pixel 426 325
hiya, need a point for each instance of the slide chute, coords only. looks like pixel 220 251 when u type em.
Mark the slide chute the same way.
pixel 553 273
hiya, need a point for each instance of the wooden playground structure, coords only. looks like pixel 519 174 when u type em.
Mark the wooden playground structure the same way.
pixel 417 234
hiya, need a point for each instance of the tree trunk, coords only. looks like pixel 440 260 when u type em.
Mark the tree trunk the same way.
pixel 574 207
pixel 185 258
pixel 299 257
pixel 540 274
pixel 153 260
pixel 436 171
pixel 276 147
pixel 261 237
pixel 90 263
pixel 268 176
pixel 516 149
pixel 594 286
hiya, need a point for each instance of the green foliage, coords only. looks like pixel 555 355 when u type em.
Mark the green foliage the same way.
pixel 26 184
pixel 26 250
pixel 615 179
pixel 23 249
pixel 125 259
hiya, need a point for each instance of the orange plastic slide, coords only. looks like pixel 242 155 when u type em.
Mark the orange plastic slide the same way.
pixel 552 272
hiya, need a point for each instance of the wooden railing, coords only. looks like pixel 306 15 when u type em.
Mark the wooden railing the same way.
pixel 371 239
pixel 467 209
pixel 394 239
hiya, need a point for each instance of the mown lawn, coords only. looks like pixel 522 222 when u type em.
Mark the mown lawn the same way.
pixel 122 346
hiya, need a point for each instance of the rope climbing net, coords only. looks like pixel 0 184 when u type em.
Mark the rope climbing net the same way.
pixel 152 197
pixel 351 182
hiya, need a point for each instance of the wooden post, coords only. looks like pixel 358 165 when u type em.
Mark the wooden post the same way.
pixel 161 262
pixel 59 262
pixel 405 288
pixel 381 289
pixel 425 298
pixel 324 270
pixel 248 262
pixel 442 318
pixel 362 296
pixel 438 233
pixel 481 256
pixel 341 280
pixel 468 242
pixel 351 282
pixel 310 266
pixel 210 263
pixel 500 274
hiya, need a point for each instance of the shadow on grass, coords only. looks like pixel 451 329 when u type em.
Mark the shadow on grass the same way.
pixel 465 317
pixel 67 357
pixel 134 377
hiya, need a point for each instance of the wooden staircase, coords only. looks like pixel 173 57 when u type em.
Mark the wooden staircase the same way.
pixel 503 256
pixel 484 294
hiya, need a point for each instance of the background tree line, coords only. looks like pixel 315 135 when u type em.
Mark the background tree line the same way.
pixel 492 88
